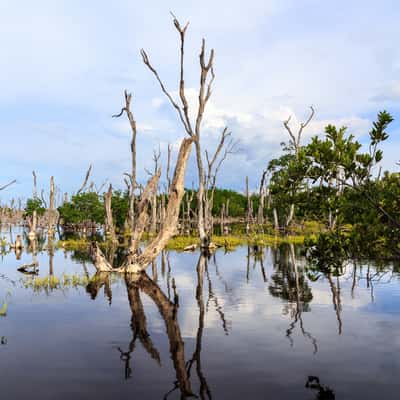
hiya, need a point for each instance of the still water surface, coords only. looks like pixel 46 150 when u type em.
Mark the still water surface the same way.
pixel 236 326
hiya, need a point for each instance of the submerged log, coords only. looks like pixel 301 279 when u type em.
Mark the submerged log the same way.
pixel 24 268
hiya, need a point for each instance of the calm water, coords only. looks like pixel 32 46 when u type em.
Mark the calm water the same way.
pixel 236 326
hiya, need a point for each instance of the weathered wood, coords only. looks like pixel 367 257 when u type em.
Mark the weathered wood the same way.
pixel 52 210
pixel 172 212
pixel 142 212
pixel 85 181
pixel 132 175
pixel 136 263
pixel 109 223
pixel 8 184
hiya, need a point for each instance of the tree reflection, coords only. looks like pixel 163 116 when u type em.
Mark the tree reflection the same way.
pixel 99 280
pixel 137 283
pixel 289 283
pixel 256 253
pixel 322 392
pixel 204 390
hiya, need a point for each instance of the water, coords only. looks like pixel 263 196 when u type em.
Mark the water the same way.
pixel 239 325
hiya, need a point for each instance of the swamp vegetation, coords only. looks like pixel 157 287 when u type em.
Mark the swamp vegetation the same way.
pixel 290 288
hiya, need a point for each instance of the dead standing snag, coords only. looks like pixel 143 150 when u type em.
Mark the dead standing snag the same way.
pixel 193 128
pixel 136 263
pixel 132 176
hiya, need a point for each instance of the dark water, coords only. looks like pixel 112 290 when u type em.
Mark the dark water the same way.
pixel 237 326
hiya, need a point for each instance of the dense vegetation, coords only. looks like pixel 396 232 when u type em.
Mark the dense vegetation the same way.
pixel 329 181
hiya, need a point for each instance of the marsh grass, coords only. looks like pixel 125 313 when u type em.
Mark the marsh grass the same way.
pixel 50 283
pixel 3 310
pixel 230 242
pixel 310 229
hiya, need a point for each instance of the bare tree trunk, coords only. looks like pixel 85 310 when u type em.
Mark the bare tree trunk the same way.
pixel 248 211
pixel 142 217
pixel 137 263
pixel 35 193
pixel 290 216
pixel 85 181
pixel 132 175
pixel 222 219
pixel 153 226
pixel 262 194
pixel 276 220
pixel 172 215
pixel 201 225
pixel 109 223
pixel 51 210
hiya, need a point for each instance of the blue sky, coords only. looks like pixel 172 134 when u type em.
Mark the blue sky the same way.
pixel 65 64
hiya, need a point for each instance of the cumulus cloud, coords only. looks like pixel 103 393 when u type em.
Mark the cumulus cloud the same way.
pixel 65 68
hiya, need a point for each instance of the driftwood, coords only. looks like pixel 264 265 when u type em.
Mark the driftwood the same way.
pixel 191 247
pixel 24 268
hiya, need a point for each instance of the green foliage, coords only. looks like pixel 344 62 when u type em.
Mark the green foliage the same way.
pixel 83 207
pixel 288 174
pixel 120 207
pixel 32 205
pixel 237 202
pixel 328 251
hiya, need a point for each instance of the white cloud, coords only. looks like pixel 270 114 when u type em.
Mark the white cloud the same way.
pixel 65 67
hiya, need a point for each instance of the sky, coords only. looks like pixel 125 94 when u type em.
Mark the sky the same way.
pixel 65 64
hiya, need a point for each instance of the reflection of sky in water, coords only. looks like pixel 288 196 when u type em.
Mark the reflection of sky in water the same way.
pixel 64 345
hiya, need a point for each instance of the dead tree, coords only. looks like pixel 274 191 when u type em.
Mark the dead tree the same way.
pixel 214 164
pixel 262 194
pixel 295 138
pixel 32 222
pixel 249 209
pixel 169 150
pixel 153 200
pixel 109 222
pixel 35 193
pixel 295 145
pixel 136 262
pixel 193 128
pixel 52 210
pixel 132 175
pixel 7 184
pixel 85 181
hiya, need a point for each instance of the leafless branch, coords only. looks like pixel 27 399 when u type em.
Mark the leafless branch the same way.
pixel 165 91
pixel 8 184
pixel 297 138
pixel 34 185
pixel 85 181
